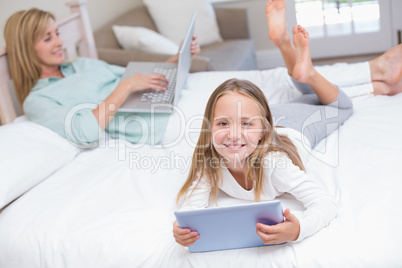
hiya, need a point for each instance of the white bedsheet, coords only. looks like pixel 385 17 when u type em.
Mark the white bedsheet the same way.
pixel 113 206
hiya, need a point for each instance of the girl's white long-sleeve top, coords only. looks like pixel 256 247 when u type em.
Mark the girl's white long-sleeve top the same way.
pixel 280 176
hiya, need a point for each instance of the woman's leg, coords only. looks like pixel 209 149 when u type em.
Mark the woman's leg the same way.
pixel 386 72
pixel 382 88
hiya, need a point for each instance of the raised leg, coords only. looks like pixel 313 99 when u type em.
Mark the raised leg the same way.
pixel 304 71
pixel 315 121
pixel 275 11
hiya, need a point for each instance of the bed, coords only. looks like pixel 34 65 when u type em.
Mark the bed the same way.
pixel 112 206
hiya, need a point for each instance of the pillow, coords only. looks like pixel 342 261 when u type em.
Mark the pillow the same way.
pixel 172 18
pixel 29 154
pixel 144 39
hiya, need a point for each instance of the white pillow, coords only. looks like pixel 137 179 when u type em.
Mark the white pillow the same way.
pixel 29 153
pixel 144 39
pixel 172 18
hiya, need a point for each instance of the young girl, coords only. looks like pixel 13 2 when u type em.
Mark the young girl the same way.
pixel 241 153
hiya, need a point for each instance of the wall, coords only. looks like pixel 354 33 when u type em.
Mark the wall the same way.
pixel 396 6
pixel 257 19
pixel 100 11
pixel 267 55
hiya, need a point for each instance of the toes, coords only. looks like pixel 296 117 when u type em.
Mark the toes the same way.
pixel 298 29
pixel 302 30
pixel 295 29
pixel 269 3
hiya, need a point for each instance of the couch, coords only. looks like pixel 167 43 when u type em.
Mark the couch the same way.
pixel 235 52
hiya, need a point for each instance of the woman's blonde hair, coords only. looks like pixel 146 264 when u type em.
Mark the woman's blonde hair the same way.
pixel 205 157
pixel 23 29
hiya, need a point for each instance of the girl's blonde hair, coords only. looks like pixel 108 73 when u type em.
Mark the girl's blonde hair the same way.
pixel 23 29
pixel 204 161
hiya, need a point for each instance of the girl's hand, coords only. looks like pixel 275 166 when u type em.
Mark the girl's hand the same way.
pixel 140 82
pixel 282 232
pixel 184 237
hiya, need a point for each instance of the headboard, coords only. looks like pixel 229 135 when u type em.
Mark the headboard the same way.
pixel 76 33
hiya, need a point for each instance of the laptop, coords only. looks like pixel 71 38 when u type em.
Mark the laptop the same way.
pixel 230 227
pixel 161 101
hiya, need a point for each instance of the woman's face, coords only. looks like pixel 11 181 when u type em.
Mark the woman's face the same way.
pixel 49 47
pixel 237 128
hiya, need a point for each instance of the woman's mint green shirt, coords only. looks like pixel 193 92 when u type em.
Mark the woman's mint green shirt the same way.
pixel 65 104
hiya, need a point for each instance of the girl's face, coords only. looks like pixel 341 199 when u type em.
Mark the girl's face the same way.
pixel 237 128
pixel 49 47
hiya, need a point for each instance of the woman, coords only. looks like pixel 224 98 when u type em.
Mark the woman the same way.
pixel 50 90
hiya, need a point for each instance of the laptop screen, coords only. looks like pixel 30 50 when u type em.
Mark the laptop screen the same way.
pixel 184 63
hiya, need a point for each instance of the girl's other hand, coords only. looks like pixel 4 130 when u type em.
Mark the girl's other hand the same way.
pixel 140 82
pixel 184 237
pixel 282 232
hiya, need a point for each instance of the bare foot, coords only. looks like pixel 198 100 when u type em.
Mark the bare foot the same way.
pixel 397 88
pixel 275 11
pixel 382 88
pixel 388 67
pixel 303 69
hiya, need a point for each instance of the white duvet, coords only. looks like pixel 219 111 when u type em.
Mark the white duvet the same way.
pixel 113 206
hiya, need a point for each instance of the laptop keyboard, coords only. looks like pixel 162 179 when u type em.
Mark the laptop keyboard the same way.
pixel 162 96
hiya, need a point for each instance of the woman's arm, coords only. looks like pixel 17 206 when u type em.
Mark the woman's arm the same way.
pixel 78 126
pixel 83 123
pixel 108 108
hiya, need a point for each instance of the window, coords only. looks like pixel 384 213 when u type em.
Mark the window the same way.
pixel 345 27
pixel 335 18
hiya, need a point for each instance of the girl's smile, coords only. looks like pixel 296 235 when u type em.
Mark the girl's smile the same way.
pixel 234 147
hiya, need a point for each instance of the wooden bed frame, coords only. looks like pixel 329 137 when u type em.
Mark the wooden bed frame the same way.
pixel 78 40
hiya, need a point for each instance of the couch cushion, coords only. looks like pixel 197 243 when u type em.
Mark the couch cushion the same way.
pixel 172 18
pixel 139 16
pixel 131 37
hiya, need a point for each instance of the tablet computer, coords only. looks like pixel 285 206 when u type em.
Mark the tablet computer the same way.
pixel 229 227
